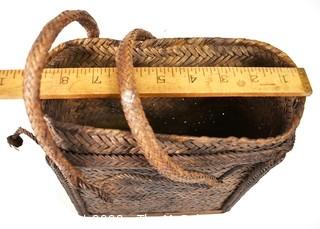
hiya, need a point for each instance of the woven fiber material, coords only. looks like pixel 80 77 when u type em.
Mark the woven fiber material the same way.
pixel 156 156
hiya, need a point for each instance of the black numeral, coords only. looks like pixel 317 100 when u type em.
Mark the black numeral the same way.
pixel 223 78
pixel 192 78
pixel 96 80
pixel 254 78
pixel 64 79
pixel 161 79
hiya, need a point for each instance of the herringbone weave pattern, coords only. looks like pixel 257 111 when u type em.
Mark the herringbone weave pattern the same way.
pixel 157 155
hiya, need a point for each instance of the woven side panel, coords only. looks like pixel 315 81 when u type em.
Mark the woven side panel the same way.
pixel 137 191
pixel 71 191
pixel 93 133
pixel 142 192
pixel 135 188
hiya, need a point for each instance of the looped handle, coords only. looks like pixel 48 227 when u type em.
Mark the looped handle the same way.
pixel 131 103
pixel 138 123
pixel 36 61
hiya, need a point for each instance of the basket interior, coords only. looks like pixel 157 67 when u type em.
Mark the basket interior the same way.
pixel 216 117
pixel 219 117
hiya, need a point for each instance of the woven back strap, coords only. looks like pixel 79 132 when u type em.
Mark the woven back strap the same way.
pixel 131 103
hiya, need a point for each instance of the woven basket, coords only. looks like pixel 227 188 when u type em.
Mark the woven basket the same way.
pixel 206 153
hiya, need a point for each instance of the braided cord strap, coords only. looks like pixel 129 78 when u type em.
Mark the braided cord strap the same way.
pixel 138 123
pixel 36 61
pixel 131 103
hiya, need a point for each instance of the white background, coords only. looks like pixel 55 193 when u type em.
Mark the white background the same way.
pixel 287 197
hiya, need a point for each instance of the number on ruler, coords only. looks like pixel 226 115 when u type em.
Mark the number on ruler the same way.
pixel 192 78
pixel 64 79
pixel 223 78
pixel 161 79
pixel 1 81
pixel 96 80
pixel 254 78
pixel 283 79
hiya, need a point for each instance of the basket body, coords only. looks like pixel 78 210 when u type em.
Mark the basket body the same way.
pixel 237 140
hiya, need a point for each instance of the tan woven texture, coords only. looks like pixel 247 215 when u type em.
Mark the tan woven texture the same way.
pixel 156 156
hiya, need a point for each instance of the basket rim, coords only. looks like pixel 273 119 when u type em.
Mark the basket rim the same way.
pixel 232 141
pixel 155 42
pixel 159 42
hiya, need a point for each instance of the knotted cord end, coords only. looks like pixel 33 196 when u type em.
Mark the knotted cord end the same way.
pixel 15 140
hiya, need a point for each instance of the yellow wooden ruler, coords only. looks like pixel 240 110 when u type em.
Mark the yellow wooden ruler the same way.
pixel 163 81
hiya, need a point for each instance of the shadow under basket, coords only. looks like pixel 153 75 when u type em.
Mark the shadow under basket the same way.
pixel 237 140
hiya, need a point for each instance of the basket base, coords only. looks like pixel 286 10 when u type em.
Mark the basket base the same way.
pixel 256 174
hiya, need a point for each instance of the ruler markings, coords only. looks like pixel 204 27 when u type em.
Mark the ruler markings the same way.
pixel 184 82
